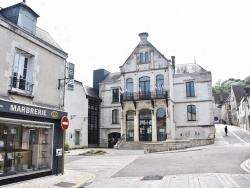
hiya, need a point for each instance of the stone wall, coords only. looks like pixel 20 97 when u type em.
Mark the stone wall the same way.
pixel 175 145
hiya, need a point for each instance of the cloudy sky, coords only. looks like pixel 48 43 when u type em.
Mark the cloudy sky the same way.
pixel 102 33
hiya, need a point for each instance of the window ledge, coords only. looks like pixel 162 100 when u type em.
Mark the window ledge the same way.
pixel 190 97
pixel 20 93
pixel 192 121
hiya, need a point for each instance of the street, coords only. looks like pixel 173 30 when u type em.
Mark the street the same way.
pixel 210 163
pixel 217 165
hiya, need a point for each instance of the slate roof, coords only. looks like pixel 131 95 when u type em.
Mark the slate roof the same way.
pixel 45 36
pixel 41 35
pixel 112 77
pixel 238 92
pixel 220 98
pixel 91 93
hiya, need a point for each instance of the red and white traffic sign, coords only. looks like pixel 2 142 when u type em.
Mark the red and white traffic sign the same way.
pixel 64 123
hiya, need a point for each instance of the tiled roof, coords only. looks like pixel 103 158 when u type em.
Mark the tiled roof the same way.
pixel 238 92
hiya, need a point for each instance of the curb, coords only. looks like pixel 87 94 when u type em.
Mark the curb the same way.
pixel 84 181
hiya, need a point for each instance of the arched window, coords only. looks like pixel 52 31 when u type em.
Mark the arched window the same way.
pixel 146 57
pixel 129 85
pixel 191 113
pixel 161 124
pixel 142 60
pixel 130 126
pixel 144 87
pixel 115 116
pixel 159 83
pixel 145 125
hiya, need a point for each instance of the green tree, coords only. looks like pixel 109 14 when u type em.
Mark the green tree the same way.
pixel 225 86
pixel 247 80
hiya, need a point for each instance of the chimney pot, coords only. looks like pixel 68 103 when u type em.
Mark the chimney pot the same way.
pixel 144 37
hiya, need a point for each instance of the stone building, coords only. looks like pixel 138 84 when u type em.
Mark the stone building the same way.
pixel 31 100
pixel 82 104
pixel 151 99
pixel 218 101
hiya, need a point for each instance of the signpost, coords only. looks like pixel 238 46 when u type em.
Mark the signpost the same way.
pixel 65 126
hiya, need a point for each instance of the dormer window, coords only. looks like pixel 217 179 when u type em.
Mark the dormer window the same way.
pixel 144 57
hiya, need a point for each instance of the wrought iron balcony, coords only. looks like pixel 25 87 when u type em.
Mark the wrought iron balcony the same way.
pixel 149 95
pixel 21 84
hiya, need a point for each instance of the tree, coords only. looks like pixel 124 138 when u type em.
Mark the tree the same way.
pixel 247 80
pixel 225 86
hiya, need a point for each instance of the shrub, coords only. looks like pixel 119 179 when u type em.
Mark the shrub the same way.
pixel 66 146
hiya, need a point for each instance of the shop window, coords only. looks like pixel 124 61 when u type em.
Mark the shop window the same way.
pixel 130 126
pixel 115 94
pixel 191 113
pixel 22 72
pixel 115 116
pixel 25 148
pixel 190 89
pixel 161 124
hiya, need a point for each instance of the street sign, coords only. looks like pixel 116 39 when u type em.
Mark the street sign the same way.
pixel 64 123
pixel 59 152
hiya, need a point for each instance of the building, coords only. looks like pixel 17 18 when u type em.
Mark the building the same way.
pixel 218 101
pixel 151 99
pixel 237 92
pixel 31 100
pixel 82 104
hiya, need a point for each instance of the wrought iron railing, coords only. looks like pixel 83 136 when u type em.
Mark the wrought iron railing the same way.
pixel 130 96
pixel 21 84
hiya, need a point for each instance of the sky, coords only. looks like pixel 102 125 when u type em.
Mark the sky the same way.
pixel 103 33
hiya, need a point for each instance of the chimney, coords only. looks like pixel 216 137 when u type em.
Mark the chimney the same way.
pixel 144 37
pixel 173 61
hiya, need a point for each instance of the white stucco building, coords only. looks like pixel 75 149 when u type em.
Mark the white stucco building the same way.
pixel 151 99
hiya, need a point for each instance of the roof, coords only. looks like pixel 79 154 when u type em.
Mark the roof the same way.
pixel 45 36
pixel 150 45
pixel 238 92
pixel 91 93
pixel 112 77
pixel 41 35
pixel 23 5
pixel 220 98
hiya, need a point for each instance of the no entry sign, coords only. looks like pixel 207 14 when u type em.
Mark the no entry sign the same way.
pixel 64 123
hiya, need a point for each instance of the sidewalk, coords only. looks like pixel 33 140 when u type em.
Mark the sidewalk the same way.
pixel 71 178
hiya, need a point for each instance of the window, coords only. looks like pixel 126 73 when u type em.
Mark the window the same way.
pixel 93 122
pixel 161 124
pixel 77 137
pixel 144 89
pixel 190 89
pixel 115 116
pixel 129 89
pixel 22 73
pixel 146 57
pixel 130 126
pixel 141 57
pixel 191 113
pixel 115 95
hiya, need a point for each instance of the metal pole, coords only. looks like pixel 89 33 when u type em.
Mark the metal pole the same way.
pixel 63 152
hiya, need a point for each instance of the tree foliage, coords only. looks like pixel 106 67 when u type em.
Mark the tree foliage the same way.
pixel 247 80
pixel 224 86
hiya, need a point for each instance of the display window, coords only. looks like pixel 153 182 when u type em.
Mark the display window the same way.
pixel 25 148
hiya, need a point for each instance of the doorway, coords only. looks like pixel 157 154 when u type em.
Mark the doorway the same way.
pixel 113 139
pixel 145 125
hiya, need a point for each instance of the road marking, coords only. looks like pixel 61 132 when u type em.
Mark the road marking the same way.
pixel 238 137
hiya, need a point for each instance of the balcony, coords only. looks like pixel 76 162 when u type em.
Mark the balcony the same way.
pixel 149 95
pixel 19 85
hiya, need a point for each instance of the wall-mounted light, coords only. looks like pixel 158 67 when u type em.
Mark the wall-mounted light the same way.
pixel 72 116
pixel 85 118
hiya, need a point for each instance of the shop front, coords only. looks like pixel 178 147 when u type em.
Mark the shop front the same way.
pixel 29 138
